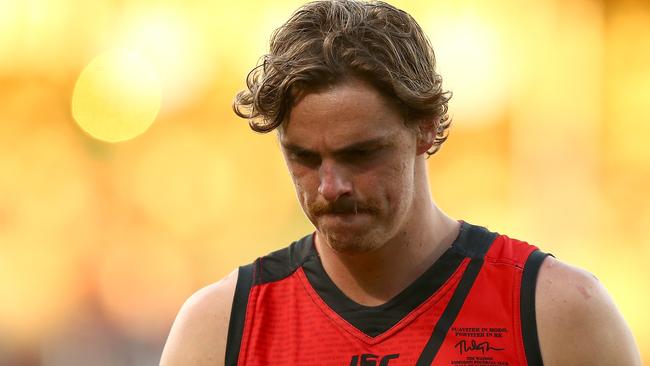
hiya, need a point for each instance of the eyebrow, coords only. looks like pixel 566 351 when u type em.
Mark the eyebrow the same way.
pixel 373 143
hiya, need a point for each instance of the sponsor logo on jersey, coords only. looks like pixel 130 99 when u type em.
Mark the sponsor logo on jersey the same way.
pixel 368 359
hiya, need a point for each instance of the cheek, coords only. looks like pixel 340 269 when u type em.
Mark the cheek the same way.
pixel 304 185
pixel 400 187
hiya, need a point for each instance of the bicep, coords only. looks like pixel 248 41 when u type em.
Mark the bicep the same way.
pixel 578 322
pixel 199 333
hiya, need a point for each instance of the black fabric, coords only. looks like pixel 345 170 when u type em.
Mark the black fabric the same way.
pixel 451 312
pixel 475 246
pixel 472 241
pixel 527 303
pixel 238 314
pixel 282 263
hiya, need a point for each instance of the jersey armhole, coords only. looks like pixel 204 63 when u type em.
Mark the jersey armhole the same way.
pixel 238 314
pixel 527 303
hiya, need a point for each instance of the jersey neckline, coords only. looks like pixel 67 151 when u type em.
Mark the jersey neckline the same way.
pixel 375 320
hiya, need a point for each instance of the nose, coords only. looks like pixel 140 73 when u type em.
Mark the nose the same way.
pixel 333 182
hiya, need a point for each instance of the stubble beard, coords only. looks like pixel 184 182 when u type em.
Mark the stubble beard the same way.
pixel 350 244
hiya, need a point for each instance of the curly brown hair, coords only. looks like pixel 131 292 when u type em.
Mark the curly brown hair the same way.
pixel 325 42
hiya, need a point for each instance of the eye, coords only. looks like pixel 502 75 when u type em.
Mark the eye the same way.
pixel 304 158
pixel 364 152
pixel 360 154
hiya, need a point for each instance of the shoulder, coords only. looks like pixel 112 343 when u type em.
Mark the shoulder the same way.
pixel 577 320
pixel 200 331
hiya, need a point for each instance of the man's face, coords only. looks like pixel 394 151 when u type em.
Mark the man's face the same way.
pixel 352 162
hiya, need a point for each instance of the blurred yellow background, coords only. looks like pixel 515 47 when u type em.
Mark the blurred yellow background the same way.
pixel 126 182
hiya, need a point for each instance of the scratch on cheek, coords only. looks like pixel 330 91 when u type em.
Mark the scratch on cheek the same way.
pixel 584 292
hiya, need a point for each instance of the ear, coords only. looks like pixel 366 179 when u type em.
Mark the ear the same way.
pixel 426 134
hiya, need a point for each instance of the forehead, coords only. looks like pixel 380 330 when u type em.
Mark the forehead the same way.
pixel 340 115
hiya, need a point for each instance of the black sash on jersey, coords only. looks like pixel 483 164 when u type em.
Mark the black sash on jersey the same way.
pixel 479 242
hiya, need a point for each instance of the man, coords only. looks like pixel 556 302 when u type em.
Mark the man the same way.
pixel 387 278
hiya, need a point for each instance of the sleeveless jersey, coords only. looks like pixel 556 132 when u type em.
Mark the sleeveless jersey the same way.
pixel 474 306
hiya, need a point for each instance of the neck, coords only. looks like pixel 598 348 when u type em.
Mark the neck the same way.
pixel 375 277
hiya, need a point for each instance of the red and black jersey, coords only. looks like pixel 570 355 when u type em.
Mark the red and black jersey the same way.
pixel 474 306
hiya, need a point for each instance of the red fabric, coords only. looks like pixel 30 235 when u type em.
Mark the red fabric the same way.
pixel 287 323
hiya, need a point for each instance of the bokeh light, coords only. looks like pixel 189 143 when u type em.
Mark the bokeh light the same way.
pixel 170 40
pixel 468 55
pixel 116 97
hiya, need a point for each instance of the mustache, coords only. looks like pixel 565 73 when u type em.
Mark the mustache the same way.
pixel 342 206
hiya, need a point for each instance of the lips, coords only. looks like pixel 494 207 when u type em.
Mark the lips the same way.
pixel 339 219
pixel 341 206
pixel 341 215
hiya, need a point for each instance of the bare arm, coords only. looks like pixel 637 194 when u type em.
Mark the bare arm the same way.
pixel 200 331
pixel 577 320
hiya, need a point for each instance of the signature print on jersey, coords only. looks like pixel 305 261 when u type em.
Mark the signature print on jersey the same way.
pixel 479 345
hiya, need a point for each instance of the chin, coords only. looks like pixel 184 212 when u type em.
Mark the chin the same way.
pixel 350 244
